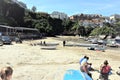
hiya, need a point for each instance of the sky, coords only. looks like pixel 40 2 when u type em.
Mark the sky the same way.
pixel 72 7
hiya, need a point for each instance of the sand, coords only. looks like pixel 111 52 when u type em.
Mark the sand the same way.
pixel 33 63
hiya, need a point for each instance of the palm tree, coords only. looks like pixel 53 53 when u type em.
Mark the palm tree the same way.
pixel 78 29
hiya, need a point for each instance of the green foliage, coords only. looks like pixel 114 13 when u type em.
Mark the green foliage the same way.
pixel 67 24
pixel 88 30
pixel 95 32
pixel 102 31
pixel 78 29
pixel 57 26
pixel 117 27
pixel 39 21
pixel 75 26
pixel 43 26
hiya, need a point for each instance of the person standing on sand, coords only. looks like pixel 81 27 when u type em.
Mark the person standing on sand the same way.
pixel 44 43
pixel 104 71
pixel 64 42
pixel 6 73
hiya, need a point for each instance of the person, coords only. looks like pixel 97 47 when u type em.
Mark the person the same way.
pixel 18 40
pixel 0 77
pixel 6 73
pixel 85 59
pixel 41 43
pixel 118 72
pixel 90 67
pixel 104 70
pixel 84 65
pixel 64 42
pixel 44 43
pixel 82 59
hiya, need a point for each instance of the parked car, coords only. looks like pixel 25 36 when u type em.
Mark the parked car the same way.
pixel 93 41
pixel 117 42
pixel 6 40
pixel 112 43
pixel 102 42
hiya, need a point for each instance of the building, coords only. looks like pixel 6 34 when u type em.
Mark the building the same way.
pixel 93 20
pixel 24 33
pixel 115 16
pixel 58 15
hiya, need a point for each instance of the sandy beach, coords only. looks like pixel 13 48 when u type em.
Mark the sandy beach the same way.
pixel 33 63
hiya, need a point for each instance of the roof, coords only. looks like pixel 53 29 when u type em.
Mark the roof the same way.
pixel 23 28
pixel 19 28
pixel 6 26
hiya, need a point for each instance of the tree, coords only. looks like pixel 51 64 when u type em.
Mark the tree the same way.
pixel 57 26
pixel 103 31
pixel 67 24
pixel 78 29
pixel 95 32
pixel 117 26
pixel 43 26
pixel 88 30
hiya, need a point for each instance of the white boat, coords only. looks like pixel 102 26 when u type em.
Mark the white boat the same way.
pixel 48 47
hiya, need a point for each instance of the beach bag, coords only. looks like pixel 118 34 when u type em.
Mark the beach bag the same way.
pixel 105 69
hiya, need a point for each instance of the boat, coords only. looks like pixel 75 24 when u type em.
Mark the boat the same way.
pixel 48 47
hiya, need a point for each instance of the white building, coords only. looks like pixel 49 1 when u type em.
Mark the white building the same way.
pixel 115 16
pixel 59 15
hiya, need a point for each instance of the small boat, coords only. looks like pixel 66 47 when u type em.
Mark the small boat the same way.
pixel 48 47
pixel 52 43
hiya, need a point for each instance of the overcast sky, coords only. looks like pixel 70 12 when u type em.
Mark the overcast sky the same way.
pixel 70 7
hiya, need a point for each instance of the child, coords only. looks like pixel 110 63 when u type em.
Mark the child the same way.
pixel 6 73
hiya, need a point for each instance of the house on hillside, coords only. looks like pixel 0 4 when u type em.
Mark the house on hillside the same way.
pixel 93 20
